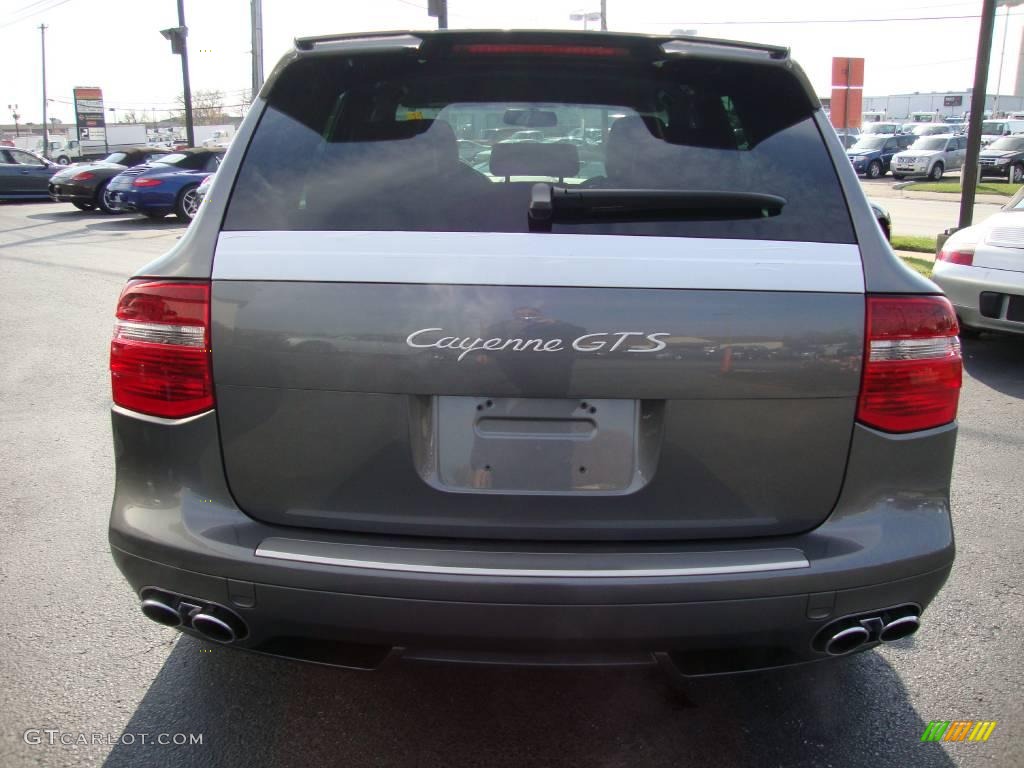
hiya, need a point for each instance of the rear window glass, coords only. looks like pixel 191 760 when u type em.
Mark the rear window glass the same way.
pixel 385 142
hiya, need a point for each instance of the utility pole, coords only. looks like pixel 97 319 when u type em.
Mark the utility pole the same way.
pixel 178 36
pixel 46 136
pixel 969 174
pixel 439 9
pixel 604 15
pixel 257 47
pixel 190 132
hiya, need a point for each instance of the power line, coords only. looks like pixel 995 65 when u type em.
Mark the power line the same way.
pixel 34 13
pixel 816 21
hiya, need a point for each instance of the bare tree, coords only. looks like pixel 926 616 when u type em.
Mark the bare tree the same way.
pixel 130 116
pixel 207 107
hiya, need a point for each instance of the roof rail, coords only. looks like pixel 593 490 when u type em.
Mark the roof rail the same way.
pixel 689 44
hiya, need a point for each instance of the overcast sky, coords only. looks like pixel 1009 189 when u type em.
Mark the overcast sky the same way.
pixel 116 45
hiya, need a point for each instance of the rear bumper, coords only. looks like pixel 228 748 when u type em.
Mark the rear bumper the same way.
pixel 889 542
pixel 964 286
pixel 71 193
pixel 131 200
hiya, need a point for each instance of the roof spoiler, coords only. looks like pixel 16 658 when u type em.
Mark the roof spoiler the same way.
pixel 710 45
pixel 409 40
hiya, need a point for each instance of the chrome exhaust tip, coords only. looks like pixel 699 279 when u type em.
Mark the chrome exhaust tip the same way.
pixel 160 612
pixel 214 628
pixel 899 628
pixel 846 640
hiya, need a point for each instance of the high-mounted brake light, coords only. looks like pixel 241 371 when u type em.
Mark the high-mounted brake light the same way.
pixel 962 256
pixel 912 364
pixel 146 182
pixel 160 353
pixel 539 49
pixel 83 176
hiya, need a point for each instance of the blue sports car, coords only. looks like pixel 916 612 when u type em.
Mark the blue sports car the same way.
pixel 164 186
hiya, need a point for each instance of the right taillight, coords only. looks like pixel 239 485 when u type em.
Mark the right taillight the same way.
pixel 912 364
pixel 962 256
pixel 160 353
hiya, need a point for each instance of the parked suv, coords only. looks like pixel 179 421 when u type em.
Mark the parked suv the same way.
pixel 930 156
pixel 872 155
pixel 1004 157
pixel 684 401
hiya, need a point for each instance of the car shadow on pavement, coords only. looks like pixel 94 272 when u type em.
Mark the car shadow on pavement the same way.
pixel 253 710
pixel 64 214
pixel 130 223
pixel 996 360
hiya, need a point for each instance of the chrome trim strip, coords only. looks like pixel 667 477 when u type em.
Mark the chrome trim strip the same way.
pixel 275 552
pixel 530 259
pixel 157 419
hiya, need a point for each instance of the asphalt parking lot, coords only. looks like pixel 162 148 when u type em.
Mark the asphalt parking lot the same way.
pixel 76 655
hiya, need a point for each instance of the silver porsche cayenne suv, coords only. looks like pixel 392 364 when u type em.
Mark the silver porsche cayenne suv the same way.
pixel 523 346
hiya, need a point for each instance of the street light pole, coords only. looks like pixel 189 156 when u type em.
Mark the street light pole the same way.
pixel 604 15
pixel 190 132
pixel 15 114
pixel 969 174
pixel 46 136
pixel 257 47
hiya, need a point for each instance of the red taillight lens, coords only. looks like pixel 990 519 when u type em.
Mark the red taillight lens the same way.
pixel 147 183
pixel 912 364
pixel 83 176
pixel 160 354
pixel 964 256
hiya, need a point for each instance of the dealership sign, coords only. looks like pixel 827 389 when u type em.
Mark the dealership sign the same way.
pixel 89 118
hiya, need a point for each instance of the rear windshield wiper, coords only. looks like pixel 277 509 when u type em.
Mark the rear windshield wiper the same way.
pixel 550 203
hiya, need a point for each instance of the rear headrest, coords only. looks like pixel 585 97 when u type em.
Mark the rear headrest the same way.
pixel 527 158
pixel 388 131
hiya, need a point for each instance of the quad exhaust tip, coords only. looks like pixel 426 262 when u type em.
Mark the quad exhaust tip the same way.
pixel 899 628
pixel 209 620
pixel 161 612
pixel 846 640
pixel 851 632
pixel 213 628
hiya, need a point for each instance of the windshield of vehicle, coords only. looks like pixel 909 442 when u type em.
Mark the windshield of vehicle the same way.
pixel 172 159
pixel 1010 143
pixel 116 157
pixel 929 143
pixel 188 161
pixel 376 145
pixel 870 143
pixel 993 127
pixel 880 128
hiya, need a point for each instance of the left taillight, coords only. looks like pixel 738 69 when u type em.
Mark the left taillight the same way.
pixel 160 353
pixel 83 176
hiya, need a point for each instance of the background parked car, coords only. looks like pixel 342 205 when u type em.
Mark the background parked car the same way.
pixel 167 185
pixel 1004 157
pixel 996 129
pixel 24 174
pixel 883 218
pixel 933 129
pixel 882 129
pixel 981 269
pixel 204 188
pixel 872 154
pixel 85 184
pixel 930 156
